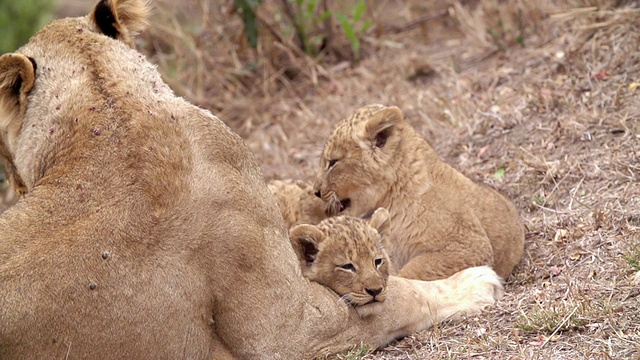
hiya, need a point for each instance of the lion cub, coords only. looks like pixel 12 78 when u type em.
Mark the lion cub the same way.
pixel 345 254
pixel 440 221
pixel 297 203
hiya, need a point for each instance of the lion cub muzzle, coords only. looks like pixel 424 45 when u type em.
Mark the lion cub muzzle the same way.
pixel 335 205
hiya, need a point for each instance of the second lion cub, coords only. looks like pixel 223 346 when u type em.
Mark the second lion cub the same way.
pixel 440 221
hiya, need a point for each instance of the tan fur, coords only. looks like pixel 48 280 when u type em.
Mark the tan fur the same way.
pixel 346 254
pixel 147 231
pixel 129 17
pixel 441 222
pixel 297 203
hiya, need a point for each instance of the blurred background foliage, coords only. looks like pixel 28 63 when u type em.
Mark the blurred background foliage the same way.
pixel 19 19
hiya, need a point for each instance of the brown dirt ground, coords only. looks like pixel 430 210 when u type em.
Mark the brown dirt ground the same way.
pixel 538 99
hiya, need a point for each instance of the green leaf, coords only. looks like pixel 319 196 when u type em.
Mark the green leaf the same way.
pixel 347 28
pixel 324 16
pixel 499 174
pixel 355 46
pixel 248 16
pixel 311 8
pixel 365 25
pixel 358 10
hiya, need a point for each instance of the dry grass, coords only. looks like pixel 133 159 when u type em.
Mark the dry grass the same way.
pixel 537 99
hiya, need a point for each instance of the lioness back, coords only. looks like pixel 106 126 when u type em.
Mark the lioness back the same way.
pixel 440 221
pixel 106 256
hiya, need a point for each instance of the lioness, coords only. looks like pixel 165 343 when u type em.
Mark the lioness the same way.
pixel 441 222
pixel 146 230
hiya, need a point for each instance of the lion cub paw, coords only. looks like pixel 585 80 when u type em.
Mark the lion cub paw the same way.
pixel 370 309
pixel 478 286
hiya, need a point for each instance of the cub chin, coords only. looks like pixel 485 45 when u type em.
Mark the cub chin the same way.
pixel 440 221
pixel 345 254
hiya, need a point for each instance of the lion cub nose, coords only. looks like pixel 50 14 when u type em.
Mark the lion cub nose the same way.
pixel 373 292
pixel 318 194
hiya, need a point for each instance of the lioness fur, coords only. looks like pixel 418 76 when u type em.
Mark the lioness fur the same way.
pixel 441 222
pixel 146 231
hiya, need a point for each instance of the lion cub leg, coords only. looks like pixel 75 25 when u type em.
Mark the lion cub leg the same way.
pixel 442 264
pixel 466 292
pixel 430 302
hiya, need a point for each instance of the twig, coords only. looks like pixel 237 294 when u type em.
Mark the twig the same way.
pixel 549 209
pixel 574 12
pixel 492 115
pixel 556 185
pixel 68 351
pixel 328 24
pixel 416 23
pixel 574 192
pixel 566 318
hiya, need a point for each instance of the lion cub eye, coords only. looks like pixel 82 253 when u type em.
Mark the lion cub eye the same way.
pixel 348 267
pixel 332 162
pixel 378 262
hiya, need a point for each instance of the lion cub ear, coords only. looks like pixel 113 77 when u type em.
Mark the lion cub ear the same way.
pixel 380 220
pixel 304 240
pixel 379 127
pixel 121 19
pixel 17 78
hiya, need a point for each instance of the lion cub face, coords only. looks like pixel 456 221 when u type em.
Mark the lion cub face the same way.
pixel 358 160
pixel 345 254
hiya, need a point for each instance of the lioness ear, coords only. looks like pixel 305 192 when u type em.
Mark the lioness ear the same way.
pixel 17 78
pixel 304 240
pixel 121 19
pixel 381 124
pixel 380 220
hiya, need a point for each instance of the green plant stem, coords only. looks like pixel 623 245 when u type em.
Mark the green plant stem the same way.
pixel 300 34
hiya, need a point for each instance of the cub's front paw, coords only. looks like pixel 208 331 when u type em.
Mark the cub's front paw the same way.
pixel 369 309
pixel 478 286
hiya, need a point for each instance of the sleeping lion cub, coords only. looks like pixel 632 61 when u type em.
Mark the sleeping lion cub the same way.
pixel 440 221
pixel 345 254
pixel 297 203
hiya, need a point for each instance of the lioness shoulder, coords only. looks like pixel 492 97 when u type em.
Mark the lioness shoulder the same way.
pixel 440 221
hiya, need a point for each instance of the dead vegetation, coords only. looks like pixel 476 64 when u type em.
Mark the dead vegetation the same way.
pixel 540 100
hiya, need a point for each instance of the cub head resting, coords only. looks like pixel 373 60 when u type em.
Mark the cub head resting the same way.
pixel 346 254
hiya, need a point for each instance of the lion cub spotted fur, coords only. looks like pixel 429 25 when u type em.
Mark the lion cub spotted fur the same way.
pixel 346 254
pixel 297 203
pixel 440 221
